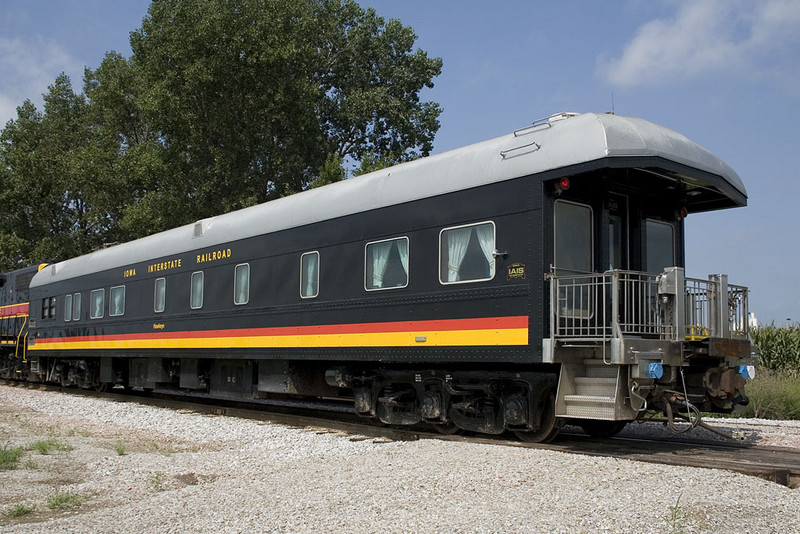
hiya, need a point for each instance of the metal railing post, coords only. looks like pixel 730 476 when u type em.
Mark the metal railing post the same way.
pixel 615 328
pixel 720 312
pixel 553 306
pixel 680 304
pixel 672 289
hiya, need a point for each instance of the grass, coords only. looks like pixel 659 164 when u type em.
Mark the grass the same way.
pixel 775 391
pixel 164 449
pixel 65 500
pixel 19 510
pixel 9 456
pixel 675 517
pixel 773 395
pixel 119 448
pixel 47 446
pixel 157 482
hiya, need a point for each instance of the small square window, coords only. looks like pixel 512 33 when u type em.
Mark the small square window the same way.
pixel 466 253
pixel 386 264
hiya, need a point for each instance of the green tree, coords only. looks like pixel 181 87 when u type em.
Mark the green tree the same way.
pixel 45 160
pixel 223 104
pixel 254 97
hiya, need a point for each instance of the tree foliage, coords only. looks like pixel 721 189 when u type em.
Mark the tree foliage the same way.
pixel 223 104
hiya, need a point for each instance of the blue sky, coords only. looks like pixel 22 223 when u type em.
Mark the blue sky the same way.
pixel 725 73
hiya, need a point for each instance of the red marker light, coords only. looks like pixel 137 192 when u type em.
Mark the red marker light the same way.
pixel 564 184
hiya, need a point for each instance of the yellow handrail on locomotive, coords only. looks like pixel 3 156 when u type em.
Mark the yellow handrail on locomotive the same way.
pixel 696 332
pixel 25 339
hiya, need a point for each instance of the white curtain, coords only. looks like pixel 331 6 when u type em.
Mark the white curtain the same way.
pixel 98 304
pixel 485 233
pixel 310 289
pixel 380 261
pixel 457 242
pixel 197 290
pixel 242 284
pixel 161 294
pixel 402 249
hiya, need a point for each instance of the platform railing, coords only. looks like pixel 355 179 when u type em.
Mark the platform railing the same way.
pixel 617 304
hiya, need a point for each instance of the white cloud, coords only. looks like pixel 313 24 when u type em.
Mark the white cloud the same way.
pixel 712 37
pixel 27 67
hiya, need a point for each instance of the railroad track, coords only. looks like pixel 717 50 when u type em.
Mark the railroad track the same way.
pixel 775 464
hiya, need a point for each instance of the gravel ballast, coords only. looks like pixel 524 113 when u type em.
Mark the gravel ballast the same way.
pixel 141 469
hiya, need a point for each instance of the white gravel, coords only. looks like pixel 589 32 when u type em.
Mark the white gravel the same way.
pixel 185 472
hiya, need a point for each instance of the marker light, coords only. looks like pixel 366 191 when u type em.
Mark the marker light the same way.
pixel 747 371
pixel 655 370
pixel 562 185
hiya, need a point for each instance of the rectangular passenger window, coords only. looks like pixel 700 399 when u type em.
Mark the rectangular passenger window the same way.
pixel 160 295
pixel 117 305
pixel 241 284
pixel 309 275
pixel 386 264
pixel 196 298
pixel 660 242
pixel 68 308
pixel 466 253
pixel 98 299
pixel 76 307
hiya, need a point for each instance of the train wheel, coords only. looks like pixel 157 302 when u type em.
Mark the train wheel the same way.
pixel 549 425
pixel 101 387
pixel 601 429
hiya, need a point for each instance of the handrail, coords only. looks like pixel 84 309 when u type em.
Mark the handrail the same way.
pixel 617 303
pixel 16 348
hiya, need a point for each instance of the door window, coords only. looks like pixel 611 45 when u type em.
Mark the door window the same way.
pixel 660 245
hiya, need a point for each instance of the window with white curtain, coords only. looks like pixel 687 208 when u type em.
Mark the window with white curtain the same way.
pixel 196 296
pixel 386 264
pixel 68 308
pixel 241 284
pixel 160 295
pixel 98 298
pixel 76 307
pixel 466 253
pixel 116 306
pixel 309 275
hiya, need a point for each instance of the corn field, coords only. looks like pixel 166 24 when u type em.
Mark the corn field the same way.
pixel 779 348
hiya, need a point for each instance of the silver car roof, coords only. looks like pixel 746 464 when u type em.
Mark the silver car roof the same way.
pixel 561 141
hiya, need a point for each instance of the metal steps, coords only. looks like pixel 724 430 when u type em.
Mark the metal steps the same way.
pixel 591 390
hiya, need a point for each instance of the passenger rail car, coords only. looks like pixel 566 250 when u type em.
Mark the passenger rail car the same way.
pixel 514 284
